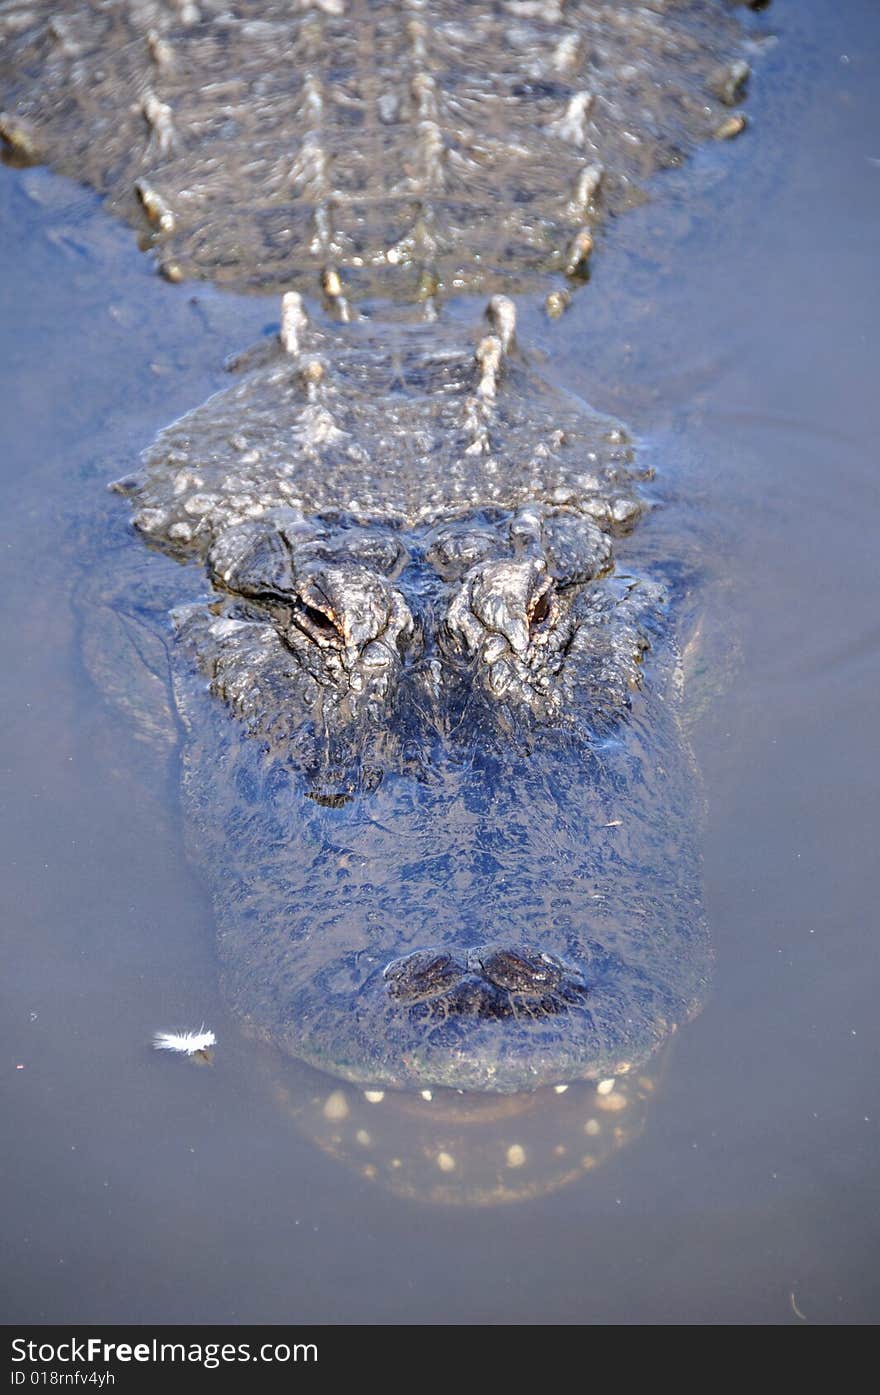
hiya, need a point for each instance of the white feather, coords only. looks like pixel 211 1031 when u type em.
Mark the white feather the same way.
pixel 187 1042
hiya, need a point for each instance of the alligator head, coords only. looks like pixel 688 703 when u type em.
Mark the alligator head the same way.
pixel 342 645
pixel 444 796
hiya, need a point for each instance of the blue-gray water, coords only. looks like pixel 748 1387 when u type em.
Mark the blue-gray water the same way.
pixel 138 1188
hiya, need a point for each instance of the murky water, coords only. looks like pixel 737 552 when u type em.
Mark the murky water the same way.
pixel 140 1188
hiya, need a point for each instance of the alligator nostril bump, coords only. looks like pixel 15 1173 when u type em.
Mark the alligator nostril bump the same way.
pixel 425 974
pixel 520 970
pixel 490 981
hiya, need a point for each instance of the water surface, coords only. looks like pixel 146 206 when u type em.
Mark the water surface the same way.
pixel 736 331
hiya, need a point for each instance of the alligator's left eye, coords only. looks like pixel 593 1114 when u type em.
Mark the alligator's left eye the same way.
pixel 541 608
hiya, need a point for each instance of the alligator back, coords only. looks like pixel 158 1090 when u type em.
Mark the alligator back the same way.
pixel 409 149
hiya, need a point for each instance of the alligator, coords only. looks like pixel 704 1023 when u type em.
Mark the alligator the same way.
pixel 428 658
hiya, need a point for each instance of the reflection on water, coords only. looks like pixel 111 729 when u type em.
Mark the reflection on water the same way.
pixel 137 1188
pixel 453 1148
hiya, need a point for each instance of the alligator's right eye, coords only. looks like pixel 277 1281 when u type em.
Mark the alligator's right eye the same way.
pixel 315 622
pixel 316 619
pixel 344 609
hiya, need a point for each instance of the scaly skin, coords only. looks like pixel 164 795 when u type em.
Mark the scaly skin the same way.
pixel 453 826
pixel 435 764
pixel 406 150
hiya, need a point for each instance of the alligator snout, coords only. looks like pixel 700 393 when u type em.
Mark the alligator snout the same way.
pixel 486 980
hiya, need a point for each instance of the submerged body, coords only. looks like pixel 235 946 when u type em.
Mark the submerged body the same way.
pixel 435 763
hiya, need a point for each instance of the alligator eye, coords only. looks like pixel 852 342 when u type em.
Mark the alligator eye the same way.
pixel 315 623
pixel 316 618
pixel 541 608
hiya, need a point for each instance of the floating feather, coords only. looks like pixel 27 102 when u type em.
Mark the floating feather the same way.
pixel 188 1042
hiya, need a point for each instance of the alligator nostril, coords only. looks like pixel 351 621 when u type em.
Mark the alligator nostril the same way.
pixel 520 970
pixel 485 981
pixel 423 975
